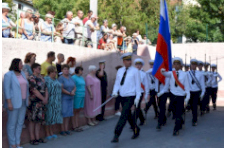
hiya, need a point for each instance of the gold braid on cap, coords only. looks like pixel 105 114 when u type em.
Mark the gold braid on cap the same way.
pixel 127 58
pixel 176 61
pixel 138 62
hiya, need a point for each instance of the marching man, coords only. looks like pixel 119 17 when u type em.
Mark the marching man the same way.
pixel 208 88
pixel 139 63
pixel 197 89
pixel 180 91
pixel 128 88
pixel 152 100
pixel 215 76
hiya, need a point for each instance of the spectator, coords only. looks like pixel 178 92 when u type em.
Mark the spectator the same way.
pixel 129 44
pixel 28 26
pixel 60 58
pixel 59 29
pixel 115 34
pixel 72 64
pixel 20 31
pixel 102 76
pixel 111 42
pixel 47 28
pixel 90 13
pixel 92 96
pixel 138 35
pixel 89 28
pixel 68 28
pixel 118 102
pixel 104 29
pixel 47 63
pixel 103 42
pixel 68 92
pixel 78 27
pixel 54 106
pixel 146 40
pixel 121 35
pixel 7 23
pixel 135 43
pixel 37 25
pixel 38 99
pixel 79 97
pixel 30 59
pixel 16 94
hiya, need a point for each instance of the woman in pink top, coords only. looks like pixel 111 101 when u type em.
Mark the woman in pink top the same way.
pixel 16 93
pixel 92 96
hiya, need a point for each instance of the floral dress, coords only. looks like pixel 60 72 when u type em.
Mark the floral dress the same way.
pixel 36 110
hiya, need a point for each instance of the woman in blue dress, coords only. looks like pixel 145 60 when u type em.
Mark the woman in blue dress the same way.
pixel 79 97
pixel 54 106
pixel 28 26
pixel 68 92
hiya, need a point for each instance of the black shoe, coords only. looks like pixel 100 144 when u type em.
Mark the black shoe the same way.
pixel 202 113
pixel 168 114
pixel 115 140
pixel 214 106
pixel 136 134
pixel 194 124
pixel 158 127
pixel 175 133
pixel 142 123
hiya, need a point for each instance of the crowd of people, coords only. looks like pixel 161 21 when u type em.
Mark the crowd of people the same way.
pixel 50 94
pixel 71 30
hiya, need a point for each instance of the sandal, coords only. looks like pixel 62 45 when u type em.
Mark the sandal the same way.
pixel 63 133
pixel 42 140
pixel 34 142
pixel 68 132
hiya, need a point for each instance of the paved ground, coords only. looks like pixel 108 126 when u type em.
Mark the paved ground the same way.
pixel 208 134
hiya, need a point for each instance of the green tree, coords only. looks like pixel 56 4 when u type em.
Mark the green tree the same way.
pixel 206 18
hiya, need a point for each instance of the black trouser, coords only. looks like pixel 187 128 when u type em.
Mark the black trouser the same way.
pixel 179 109
pixel 117 103
pixel 162 109
pixel 214 94
pixel 139 113
pixel 127 103
pixel 171 105
pixel 194 101
pixel 152 101
pixel 205 101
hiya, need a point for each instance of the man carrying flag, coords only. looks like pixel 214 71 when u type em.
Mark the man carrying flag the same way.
pixel 179 88
pixel 163 59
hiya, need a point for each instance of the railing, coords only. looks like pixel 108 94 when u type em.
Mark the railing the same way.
pixel 53 35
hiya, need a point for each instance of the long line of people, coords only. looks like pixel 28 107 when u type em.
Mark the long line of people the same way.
pixel 51 94
pixel 71 30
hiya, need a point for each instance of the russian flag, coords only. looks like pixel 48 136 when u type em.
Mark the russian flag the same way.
pixel 163 58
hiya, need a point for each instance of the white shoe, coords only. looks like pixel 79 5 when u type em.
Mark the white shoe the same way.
pixel 118 114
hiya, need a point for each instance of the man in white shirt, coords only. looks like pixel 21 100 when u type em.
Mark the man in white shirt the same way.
pixel 139 63
pixel 208 87
pixel 215 81
pixel 152 100
pixel 68 28
pixel 78 22
pixel 89 27
pixel 179 88
pixel 187 67
pixel 197 89
pixel 128 87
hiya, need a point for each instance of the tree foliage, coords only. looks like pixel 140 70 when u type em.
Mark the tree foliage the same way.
pixel 185 20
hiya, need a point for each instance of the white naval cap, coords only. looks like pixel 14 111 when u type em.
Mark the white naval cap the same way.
pixel 151 61
pixel 213 65
pixel 139 61
pixel 126 56
pixel 200 63
pixel 194 61
pixel 177 59
pixel 101 61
